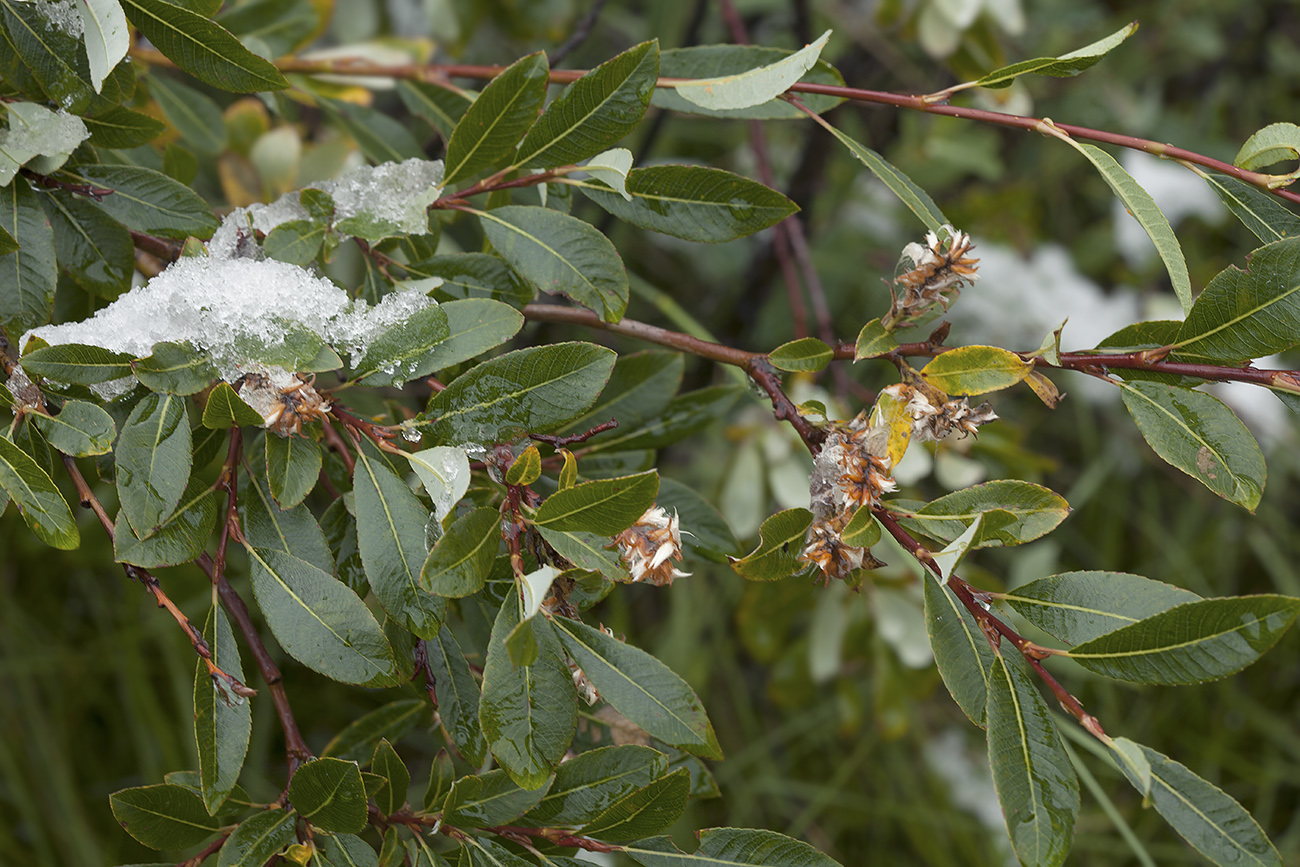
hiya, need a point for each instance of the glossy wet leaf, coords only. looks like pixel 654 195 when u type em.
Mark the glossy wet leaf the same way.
pixel 319 621
pixel 297 242
pixel 28 274
pixel 730 847
pixel 77 363
pixel 122 128
pixel 1034 511
pixel 532 390
pixel 641 688
pixel 53 58
pixel 293 466
pixel 179 539
pixel 222 721
pixel 560 255
pixel 697 203
pixel 475 325
pixel 490 799
pixel 175 368
pixel 458 695
pixel 461 560
pixel 329 794
pixel 149 201
pixel 1080 606
pixel 293 531
pixel 163 816
pixel 807 354
pixel 528 713
pixel 397 355
pixel 80 429
pixel 1200 435
pixel 650 810
pixel 33 492
pixel 586 551
pixel 225 408
pixel 605 507
pixel 586 785
pixel 975 370
pixel 1037 786
pixel 95 250
pixel 391 532
pixel 498 118
pixel 1064 66
pixel 1191 643
pixel 153 460
pixel 356 743
pixel 258 838
pixel 752 87
pixel 781 540
pixel 961 651
pixel 203 48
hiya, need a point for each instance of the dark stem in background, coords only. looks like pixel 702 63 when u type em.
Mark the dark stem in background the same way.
pixel 580 34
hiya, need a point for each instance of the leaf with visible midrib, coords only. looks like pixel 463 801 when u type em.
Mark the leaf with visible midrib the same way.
pixel 496 120
pixel 731 847
pixel 1080 606
pixel 29 274
pixel 32 489
pixel 961 652
pixel 153 461
pixel 222 723
pixel 329 793
pixel 602 506
pixel 163 816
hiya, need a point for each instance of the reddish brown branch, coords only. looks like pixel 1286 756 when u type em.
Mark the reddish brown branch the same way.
pixel 208 851
pixel 561 442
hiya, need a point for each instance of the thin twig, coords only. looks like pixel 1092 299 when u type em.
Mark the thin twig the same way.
pixel 579 35
pixel 561 442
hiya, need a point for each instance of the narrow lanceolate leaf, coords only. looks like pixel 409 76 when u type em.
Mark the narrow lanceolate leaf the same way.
pixel 1258 211
pixel 917 200
pixel 490 799
pixel 651 810
pixel 807 354
pixel 1036 783
pixel 175 368
pixel 292 468
pixel 181 537
pixel 258 838
pixel 319 621
pixel 730 847
pixel 561 255
pixel 196 117
pixel 122 128
pixel 975 370
pixel 32 490
pixel 753 86
pixel 475 325
pixel 1191 643
pixel 293 531
pixel 961 651
pixel 80 429
pixel 459 563
pixel 641 688
pixel 222 720
pixel 78 364
pixel 529 713
pixel 329 794
pixel 391 528
pixel 586 551
pixel 503 112
pixel 153 461
pixel 1199 435
pixel 605 507
pixel 28 274
pixel 202 48
pixel 1202 813
pixel 163 816
pixel 105 36
pixel 696 203
pixel 586 785
pixel 781 539
pixel 52 56
pixel 594 112
pixel 1080 606
pixel 442 105
pixel 95 250
pixel 1035 511
pixel 532 390
pixel 1250 313
pixel 1144 209
pixel 714 61
pixel 148 201
pixel 357 742
pixel 458 695
pixel 397 355
pixel 1065 66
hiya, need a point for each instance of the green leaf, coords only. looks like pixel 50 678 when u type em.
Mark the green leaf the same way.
pixel 605 507
pixel 474 275
pixel 1191 643
pixel 862 530
pixel 503 112
pixel 442 106
pixel 594 112
pixel 961 652
pixel 356 743
pixel 1080 606
pixel 708 534
pixel 1153 334
pixel 122 128
pixel 78 364
pixel 29 274
pixel 445 474
pixel 225 408
pixel 297 242
pixel 347 850
pixel 222 720
pixel 319 621
pixel 586 551
pixel 293 531
pixel 781 540
pixel 95 250
pixel 1199 435
pixel 975 370
pixel 641 688
pixel 258 838
pixel 591 782
pixel 1035 509
pixel 526 468
pixel 1203 814
pixel 391 524
pixel 917 200
pixel 203 48
pixel 640 388
pixel 37 138
pixel 873 341
pixel 181 537
pixel 696 203
pixel 381 138
pixel 175 368
pixel 559 254
pixel 105 36
pixel 398 354
pixel 651 810
pixel 53 57
pixel 80 429
pixel 1275 143
pixel 1037 786
pixel 1144 209
pixel 460 561
pixel 153 461
pixel 529 713
pixel 532 390
pixel 163 816
pixel 329 794
pixel 1258 211
pixel 481 852
pixel 197 118
pixel 148 201
pixel 281 25
pixel 490 799
pixel 753 87
pixel 807 354
pixel 476 325
pixel 1065 66
pixel 731 847
pixel 686 415
pixel 8 243
pixel 292 468
pixel 458 696
pixel 1247 314
pixel 714 61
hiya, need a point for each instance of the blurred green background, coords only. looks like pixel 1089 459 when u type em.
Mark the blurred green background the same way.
pixel 836 728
